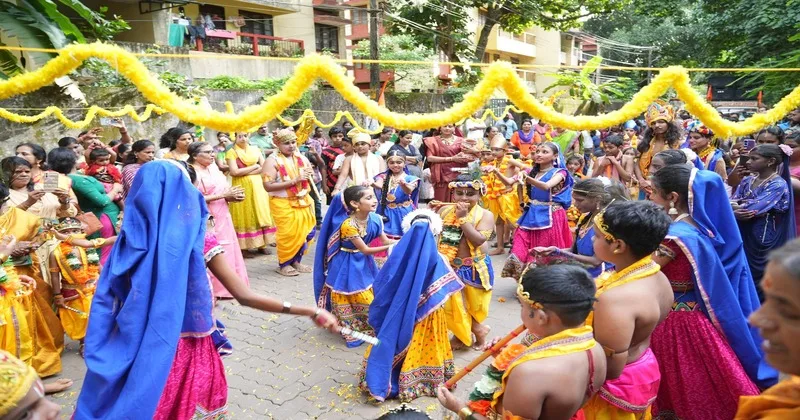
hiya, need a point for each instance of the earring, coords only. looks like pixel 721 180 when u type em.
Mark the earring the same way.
pixel 672 210
pixel 616 251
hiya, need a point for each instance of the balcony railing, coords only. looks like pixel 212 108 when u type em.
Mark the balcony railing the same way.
pixel 243 43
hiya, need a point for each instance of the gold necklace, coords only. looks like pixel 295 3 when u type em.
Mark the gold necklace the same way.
pixel 640 269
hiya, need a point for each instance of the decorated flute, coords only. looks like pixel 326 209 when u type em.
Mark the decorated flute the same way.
pixel 478 360
pixel 360 336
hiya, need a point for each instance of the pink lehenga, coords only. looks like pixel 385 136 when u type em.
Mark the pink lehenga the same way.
pixel 211 181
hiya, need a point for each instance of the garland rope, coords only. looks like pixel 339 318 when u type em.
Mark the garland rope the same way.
pixel 499 75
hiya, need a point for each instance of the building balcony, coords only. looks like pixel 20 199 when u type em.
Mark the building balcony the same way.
pixel 355 2
pixel 242 43
pixel 331 20
pixel 523 45
pixel 359 32
pixel 529 79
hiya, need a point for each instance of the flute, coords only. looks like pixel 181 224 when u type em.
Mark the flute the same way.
pixel 478 360
pixel 436 204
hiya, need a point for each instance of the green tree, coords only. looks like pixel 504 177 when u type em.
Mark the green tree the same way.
pixel 448 19
pixel 44 24
pixel 593 97
pixel 397 47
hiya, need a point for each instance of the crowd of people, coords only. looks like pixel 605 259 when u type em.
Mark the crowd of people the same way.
pixel 654 261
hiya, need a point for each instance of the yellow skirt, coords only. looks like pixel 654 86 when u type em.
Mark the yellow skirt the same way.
pixel 75 323
pixel 15 336
pixel 47 335
pixel 294 226
pixel 252 219
pixel 353 312
pixel 429 361
pixel 599 409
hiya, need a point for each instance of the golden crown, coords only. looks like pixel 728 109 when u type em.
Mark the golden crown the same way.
pixel 659 110
pixel 526 297
pixel 16 379
pixel 602 226
pixel 69 223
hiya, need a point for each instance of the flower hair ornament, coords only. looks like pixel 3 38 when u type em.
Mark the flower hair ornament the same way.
pixel 473 170
pixel 786 149
pixel 695 126
pixel 423 215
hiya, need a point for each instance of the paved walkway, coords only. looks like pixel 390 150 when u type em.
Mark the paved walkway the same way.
pixel 284 368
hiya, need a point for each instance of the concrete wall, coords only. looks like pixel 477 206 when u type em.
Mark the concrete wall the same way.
pixel 207 68
pixel 548 51
pixel 299 25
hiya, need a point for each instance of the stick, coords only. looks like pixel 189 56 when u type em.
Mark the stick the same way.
pixel 478 360
pixel 359 335
pixel 77 311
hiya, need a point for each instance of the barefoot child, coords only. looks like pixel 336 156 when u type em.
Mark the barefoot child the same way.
pixel 351 267
pixel 553 377
pixel 464 242
pixel 501 199
pixel 75 268
pixel 632 301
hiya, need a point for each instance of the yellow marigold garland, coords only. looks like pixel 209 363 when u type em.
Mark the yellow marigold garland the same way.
pixel 498 75
pixel 92 112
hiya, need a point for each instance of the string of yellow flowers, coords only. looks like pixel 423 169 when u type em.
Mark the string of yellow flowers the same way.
pixel 93 111
pixel 498 75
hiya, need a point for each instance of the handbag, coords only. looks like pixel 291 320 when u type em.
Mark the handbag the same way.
pixel 89 220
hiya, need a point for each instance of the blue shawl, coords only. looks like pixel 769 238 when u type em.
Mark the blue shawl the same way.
pixel 328 232
pixel 413 283
pixel 153 289
pixel 723 304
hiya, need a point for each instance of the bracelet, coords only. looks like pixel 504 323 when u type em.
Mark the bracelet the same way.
pixel 316 314
pixel 465 413
pixel 461 220
pixel 287 308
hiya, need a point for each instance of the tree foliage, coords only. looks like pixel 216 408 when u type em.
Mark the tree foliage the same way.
pixel 445 23
pixel 593 97
pixel 397 47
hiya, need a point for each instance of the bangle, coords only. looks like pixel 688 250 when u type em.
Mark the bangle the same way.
pixel 461 220
pixel 287 308
pixel 465 413
pixel 316 314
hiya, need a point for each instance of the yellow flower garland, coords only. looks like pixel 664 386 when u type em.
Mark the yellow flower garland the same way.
pixel 93 112
pixel 498 75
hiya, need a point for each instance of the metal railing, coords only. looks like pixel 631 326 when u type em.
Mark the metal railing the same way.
pixel 243 43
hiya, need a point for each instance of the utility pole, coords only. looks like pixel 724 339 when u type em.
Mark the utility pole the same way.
pixel 649 65
pixel 374 68
pixel 597 74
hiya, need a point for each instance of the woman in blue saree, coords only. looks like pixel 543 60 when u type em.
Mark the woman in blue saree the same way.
pixel 149 346
pixel 708 354
pixel 414 356
pixel 764 206
pixel 349 264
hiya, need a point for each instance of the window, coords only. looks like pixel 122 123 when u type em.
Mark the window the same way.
pixel 327 38
pixel 217 14
pixel 256 23
pixel 360 17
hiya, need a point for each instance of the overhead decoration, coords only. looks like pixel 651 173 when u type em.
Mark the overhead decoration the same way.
pixel 499 75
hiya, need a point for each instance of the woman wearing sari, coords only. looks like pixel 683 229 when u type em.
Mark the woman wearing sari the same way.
pixel 92 196
pixel 214 187
pixel 179 146
pixel 444 153
pixel 526 139
pixel 707 353
pixel 32 259
pixel 251 218
pixel 142 151
pixel 149 347
pixel 408 316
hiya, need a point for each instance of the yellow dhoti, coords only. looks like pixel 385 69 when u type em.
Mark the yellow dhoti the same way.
pixel 75 319
pixel 294 218
pixel 15 336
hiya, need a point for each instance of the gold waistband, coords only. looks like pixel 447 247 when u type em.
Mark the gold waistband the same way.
pixel 468 262
pixel 552 204
pixel 406 203
pixel 351 251
pixel 87 285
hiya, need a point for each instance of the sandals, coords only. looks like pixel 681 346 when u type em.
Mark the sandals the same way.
pixel 287 271
pixel 301 268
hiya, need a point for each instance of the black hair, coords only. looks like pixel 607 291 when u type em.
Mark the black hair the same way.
pixel 169 138
pixel 674 179
pixel 793 136
pixel 9 165
pixel 137 147
pixel 672 157
pixel 354 193
pixel 769 151
pixel 385 187
pixel 673 136
pixel 775 131
pixel 566 289
pixel 4 193
pixel 113 143
pixel 334 131
pixel 403 133
pixel 386 130
pixel 66 141
pixel 614 139
pixel 38 152
pixel 575 157
pixel 97 154
pixel 194 149
pixel 528 120
pixel 606 194
pixel 642 225
pixel 554 148
pixel 404 412
pixel 788 257
pixel 62 160
pixel 123 148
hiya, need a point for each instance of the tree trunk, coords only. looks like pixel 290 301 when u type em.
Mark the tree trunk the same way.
pixel 493 15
